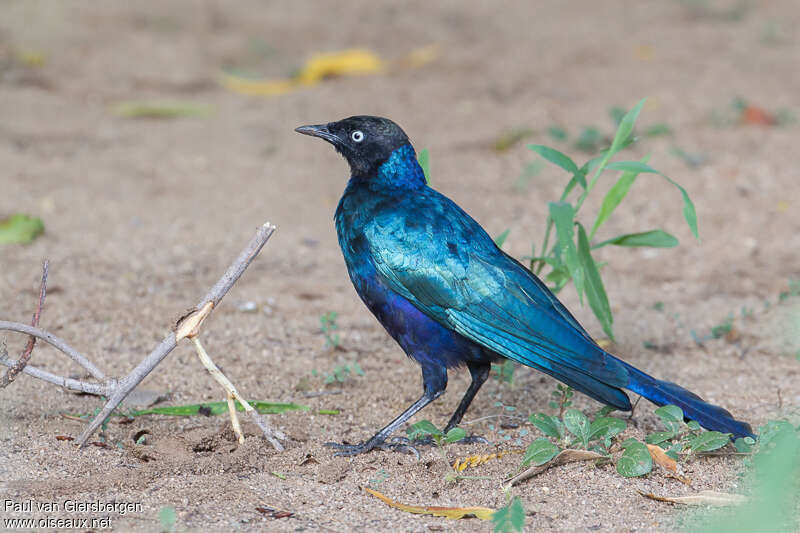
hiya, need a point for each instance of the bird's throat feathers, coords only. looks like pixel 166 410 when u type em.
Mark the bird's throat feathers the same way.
pixel 400 171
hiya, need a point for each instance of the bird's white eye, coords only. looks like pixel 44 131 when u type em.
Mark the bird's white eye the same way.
pixel 357 136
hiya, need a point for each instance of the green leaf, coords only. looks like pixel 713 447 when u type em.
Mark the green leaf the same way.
pixel 422 429
pixel 636 460
pixel 539 452
pixel 659 436
pixel 771 431
pixel 510 518
pixel 563 215
pixel 606 427
pixel 689 212
pixel 595 291
pixel 579 178
pixel 20 229
pixel 577 424
pixel 424 160
pixel 217 408
pixel 614 196
pixel 639 167
pixel 555 157
pixel 671 416
pixel 624 130
pixel 557 132
pixel 674 450
pixel 455 435
pixel 654 238
pixel 549 425
pixel 501 239
pixel 168 517
pixel 709 441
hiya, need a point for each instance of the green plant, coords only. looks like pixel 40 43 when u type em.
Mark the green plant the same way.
pixel 381 476
pixel 168 519
pixel 328 325
pixel 774 476
pixel 504 372
pixel 562 398
pixel 341 373
pixel 570 256
pixel 509 518
pixel 426 428
pixel 573 429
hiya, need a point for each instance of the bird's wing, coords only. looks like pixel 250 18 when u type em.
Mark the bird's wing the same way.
pixel 449 268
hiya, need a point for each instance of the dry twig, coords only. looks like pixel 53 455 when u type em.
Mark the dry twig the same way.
pixel 117 390
pixel 22 362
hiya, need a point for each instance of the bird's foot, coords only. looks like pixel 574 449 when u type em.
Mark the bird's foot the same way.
pixel 469 439
pixel 397 444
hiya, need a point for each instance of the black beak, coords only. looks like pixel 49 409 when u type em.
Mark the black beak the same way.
pixel 319 130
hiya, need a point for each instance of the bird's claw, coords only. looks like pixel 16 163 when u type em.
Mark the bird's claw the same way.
pixel 397 444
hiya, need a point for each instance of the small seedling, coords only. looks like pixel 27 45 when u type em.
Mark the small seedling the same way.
pixel 504 372
pixel 381 476
pixel 562 398
pixel 328 325
pixel 723 328
pixel 570 258
pixel 341 373
pixel 425 428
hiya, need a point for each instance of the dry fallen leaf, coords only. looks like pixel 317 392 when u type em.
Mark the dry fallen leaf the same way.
pixel 462 463
pixel 664 460
pixel 753 114
pixel 453 513
pixel 704 497
pixel 566 456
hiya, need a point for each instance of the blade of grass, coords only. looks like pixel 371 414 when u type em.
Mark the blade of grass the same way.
pixel 613 197
pixel 654 238
pixel 595 291
pixel 563 215
pixel 216 408
pixel 689 212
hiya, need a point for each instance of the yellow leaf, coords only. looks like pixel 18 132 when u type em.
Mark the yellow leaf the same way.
pixel 453 513
pixel 344 63
pixel 462 463
pixel 352 62
pixel 704 497
pixel 662 458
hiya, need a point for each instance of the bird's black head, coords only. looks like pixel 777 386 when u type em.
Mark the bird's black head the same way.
pixel 366 142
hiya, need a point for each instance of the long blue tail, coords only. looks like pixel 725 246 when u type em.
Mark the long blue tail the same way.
pixel 694 407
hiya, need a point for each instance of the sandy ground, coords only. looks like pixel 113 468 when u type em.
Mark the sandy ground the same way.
pixel 143 216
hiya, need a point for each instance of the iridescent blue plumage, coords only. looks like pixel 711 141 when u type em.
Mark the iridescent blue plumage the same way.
pixel 449 296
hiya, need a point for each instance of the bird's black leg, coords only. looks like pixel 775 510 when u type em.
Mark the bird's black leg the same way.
pixel 434 380
pixel 479 373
